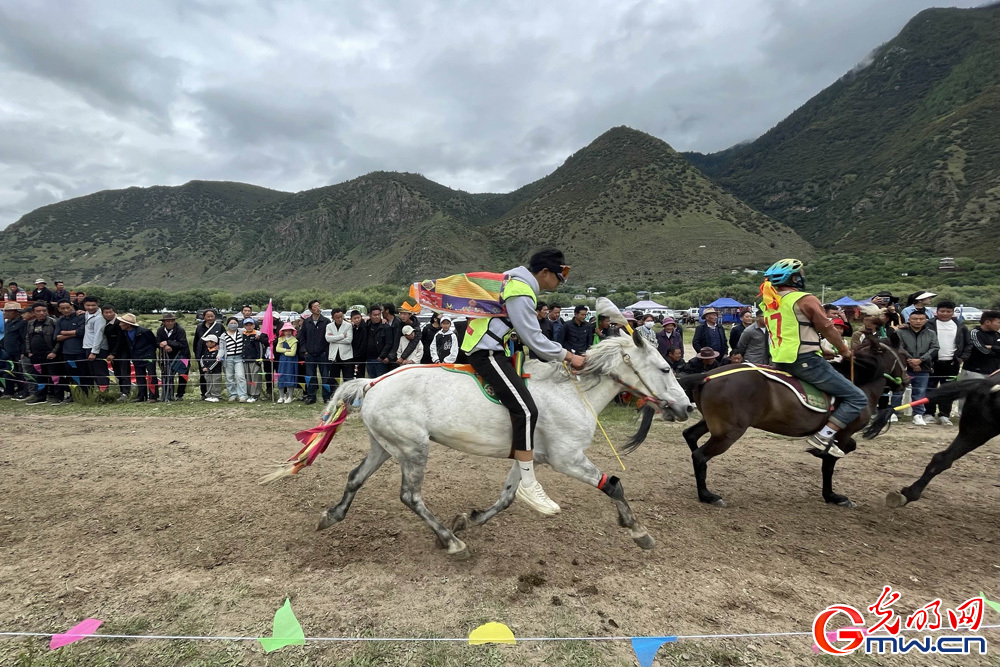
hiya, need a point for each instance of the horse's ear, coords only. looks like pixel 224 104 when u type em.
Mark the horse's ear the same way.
pixel 637 339
pixel 894 340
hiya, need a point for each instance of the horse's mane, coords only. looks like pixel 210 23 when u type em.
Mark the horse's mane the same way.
pixel 601 360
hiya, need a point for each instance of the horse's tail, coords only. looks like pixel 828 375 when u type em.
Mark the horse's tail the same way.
pixel 317 439
pixel 349 393
pixel 691 384
pixel 946 392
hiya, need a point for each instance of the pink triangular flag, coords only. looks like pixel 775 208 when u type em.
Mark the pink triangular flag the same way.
pixel 79 631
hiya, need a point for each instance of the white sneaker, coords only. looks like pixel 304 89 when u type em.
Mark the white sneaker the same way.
pixel 243 400
pixel 288 400
pixel 537 499
pixel 212 399
pixel 894 418
pixel 251 400
pixel 944 421
pixel 232 399
pixel 918 420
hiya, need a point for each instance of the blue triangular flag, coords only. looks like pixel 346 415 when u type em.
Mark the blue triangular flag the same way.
pixel 646 647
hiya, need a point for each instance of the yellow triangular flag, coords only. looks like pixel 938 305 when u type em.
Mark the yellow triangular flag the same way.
pixel 492 633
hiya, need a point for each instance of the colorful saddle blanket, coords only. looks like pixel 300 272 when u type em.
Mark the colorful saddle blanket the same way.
pixel 809 396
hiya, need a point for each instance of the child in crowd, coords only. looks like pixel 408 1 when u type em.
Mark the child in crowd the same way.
pixel 286 350
pixel 211 368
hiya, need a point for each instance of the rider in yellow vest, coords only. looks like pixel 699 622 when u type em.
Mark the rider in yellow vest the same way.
pixel 795 320
pixel 486 345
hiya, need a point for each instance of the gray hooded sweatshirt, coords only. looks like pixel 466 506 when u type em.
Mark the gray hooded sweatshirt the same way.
pixel 521 313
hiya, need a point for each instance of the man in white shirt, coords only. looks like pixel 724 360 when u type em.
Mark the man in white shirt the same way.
pixel 340 336
pixel 955 347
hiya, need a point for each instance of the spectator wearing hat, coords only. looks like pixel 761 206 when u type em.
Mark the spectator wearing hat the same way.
pixel 60 293
pixel 253 355
pixel 918 301
pixel 312 342
pixel 630 318
pixel 211 368
pixel 706 360
pixel 69 331
pixel 171 339
pixel 670 337
pixel 753 343
pixel 410 348
pixel 41 292
pixel 710 333
pixel 340 336
pixel 42 350
pixel 11 351
pixel 445 347
pixel 746 319
pixel 142 347
pixel 209 325
pixel 286 349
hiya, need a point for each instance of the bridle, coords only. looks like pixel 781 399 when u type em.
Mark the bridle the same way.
pixel 659 403
pixel 896 364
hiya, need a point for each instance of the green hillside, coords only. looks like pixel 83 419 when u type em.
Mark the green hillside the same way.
pixel 904 152
pixel 627 205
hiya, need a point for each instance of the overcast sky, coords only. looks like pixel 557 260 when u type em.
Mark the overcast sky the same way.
pixel 481 96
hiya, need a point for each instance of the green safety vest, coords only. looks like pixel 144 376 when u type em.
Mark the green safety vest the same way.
pixel 479 326
pixel 783 329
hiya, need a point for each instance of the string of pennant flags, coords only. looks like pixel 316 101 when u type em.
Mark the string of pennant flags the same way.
pixel 287 631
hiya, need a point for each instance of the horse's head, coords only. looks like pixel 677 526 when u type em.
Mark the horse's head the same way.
pixel 639 368
pixel 884 361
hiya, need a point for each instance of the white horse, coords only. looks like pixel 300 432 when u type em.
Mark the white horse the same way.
pixel 408 410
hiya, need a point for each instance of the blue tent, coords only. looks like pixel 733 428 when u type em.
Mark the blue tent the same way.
pixel 847 301
pixel 728 309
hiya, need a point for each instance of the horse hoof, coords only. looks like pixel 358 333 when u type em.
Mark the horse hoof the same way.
pixel 326 521
pixel 895 499
pixel 458 550
pixel 645 542
pixel 460 522
pixel 717 501
pixel 841 501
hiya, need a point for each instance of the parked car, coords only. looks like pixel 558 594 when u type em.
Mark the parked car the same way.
pixel 969 313
pixel 289 316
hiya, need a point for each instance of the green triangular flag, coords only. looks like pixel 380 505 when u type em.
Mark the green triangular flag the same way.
pixel 286 630
pixel 995 605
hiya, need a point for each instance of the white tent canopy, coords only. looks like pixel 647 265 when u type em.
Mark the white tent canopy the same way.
pixel 645 305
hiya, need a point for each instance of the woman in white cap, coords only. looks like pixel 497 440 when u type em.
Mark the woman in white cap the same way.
pixel 444 346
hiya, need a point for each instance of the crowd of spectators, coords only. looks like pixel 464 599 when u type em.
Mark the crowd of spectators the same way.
pixel 54 343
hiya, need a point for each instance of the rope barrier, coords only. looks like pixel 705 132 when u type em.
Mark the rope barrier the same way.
pixel 610 638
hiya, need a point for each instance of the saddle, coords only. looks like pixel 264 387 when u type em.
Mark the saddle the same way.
pixel 809 396
pixel 465 369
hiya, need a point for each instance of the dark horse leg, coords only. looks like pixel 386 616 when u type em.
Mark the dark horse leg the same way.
pixel 972 433
pixel 848 444
pixel 716 444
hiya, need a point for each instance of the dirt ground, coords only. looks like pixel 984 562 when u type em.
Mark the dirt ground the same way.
pixel 152 520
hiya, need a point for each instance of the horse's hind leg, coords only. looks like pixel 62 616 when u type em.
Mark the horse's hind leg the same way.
pixel 583 469
pixel 372 462
pixel 413 468
pixel 477 518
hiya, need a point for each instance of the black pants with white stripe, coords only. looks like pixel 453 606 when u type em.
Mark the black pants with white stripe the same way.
pixel 498 372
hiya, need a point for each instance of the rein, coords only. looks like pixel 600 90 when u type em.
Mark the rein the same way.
pixel 660 403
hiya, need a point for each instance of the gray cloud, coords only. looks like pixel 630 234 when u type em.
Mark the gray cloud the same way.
pixel 478 96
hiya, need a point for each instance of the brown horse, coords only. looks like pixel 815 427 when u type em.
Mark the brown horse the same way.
pixel 733 403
